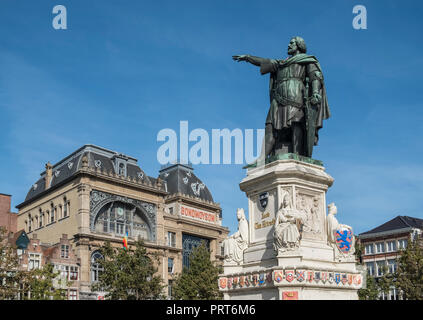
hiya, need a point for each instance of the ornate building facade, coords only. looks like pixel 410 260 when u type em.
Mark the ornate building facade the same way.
pixel 95 194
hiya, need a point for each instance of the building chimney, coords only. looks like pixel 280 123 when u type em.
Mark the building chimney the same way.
pixel 49 174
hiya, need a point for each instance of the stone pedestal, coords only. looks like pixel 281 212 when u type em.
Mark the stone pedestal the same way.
pixel 315 269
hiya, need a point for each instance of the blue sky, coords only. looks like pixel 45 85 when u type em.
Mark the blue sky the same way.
pixel 123 71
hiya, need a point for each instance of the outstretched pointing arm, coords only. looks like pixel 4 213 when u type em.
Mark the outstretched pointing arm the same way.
pixel 266 65
pixel 257 61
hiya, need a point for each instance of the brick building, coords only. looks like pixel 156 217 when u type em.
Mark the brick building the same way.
pixel 95 194
pixel 33 254
pixel 383 244
pixel 8 219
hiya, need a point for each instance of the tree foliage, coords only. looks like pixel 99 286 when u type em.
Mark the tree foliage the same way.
pixel 40 283
pixel 128 274
pixel 16 283
pixel 9 264
pixel 199 281
pixel 371 291
pixel 409 275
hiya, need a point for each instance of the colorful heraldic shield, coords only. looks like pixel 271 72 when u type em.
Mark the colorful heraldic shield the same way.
pixel 278 276
pixel 344 240
pixel 301 275
pixel 289 275
pixel 222 283
pixel 324 277
pixel 344 278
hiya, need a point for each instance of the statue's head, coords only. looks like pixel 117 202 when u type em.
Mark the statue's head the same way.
pixel 297 45
pixel 240 213
pixel 286 200
pixel 332 208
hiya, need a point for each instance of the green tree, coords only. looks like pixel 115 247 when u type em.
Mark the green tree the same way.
pixel 128 274
pixel 386 281
pixel 44 284
pixel 409 275
pixel 9 268
pixel 371 291
pixel 199 281
pixel 373 286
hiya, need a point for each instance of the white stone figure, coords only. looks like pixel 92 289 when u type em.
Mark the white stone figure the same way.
pixel 333 225
pixel 314 210
pixel 235 245
pixel 286 235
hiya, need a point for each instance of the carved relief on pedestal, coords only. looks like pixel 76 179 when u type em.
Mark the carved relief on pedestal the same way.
pixel 311 205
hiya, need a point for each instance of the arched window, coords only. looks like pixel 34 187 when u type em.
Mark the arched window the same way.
pixel 121 218
pixel 96 268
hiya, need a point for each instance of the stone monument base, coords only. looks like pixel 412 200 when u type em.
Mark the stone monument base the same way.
pixel 314 268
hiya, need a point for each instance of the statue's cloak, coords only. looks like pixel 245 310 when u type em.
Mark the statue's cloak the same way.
pixel 271 65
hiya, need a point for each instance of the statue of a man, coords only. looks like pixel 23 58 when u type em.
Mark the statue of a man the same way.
pixel 298 103
pixel 286 235
pixel 235 245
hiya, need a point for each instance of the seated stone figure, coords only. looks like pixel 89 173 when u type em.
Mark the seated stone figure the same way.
pixel 235 245
pixel 286 235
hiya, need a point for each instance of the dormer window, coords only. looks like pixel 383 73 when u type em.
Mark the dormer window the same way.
pixel 122 169
pixel 120 164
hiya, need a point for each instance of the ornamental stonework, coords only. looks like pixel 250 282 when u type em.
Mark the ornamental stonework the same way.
pixel 99 198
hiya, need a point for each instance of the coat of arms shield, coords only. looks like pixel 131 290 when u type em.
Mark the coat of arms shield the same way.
pixel 241 281
pixel 300 275
pixel 278 276
pixel 264 199
pixel 344 239
pixel 222 283
pixel 289 275
pixel 337 278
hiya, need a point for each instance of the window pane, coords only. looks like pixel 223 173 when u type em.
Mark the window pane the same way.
pixel 170 265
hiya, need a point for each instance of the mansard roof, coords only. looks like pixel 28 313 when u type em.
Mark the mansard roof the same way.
pixel 98 157
pixel 180 178
pixel 397 223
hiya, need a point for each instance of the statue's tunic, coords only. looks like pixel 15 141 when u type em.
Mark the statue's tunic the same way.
pixel 288 92
pixel 287 89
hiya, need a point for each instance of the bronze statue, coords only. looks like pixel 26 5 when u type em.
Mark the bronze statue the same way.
pixel 298 103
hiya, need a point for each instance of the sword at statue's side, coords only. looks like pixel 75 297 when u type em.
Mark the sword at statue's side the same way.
pixel 310 117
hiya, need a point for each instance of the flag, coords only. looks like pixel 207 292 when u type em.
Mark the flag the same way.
pixel 125 241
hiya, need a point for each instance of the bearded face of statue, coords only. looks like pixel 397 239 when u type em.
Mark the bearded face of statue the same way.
pixel 292 47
